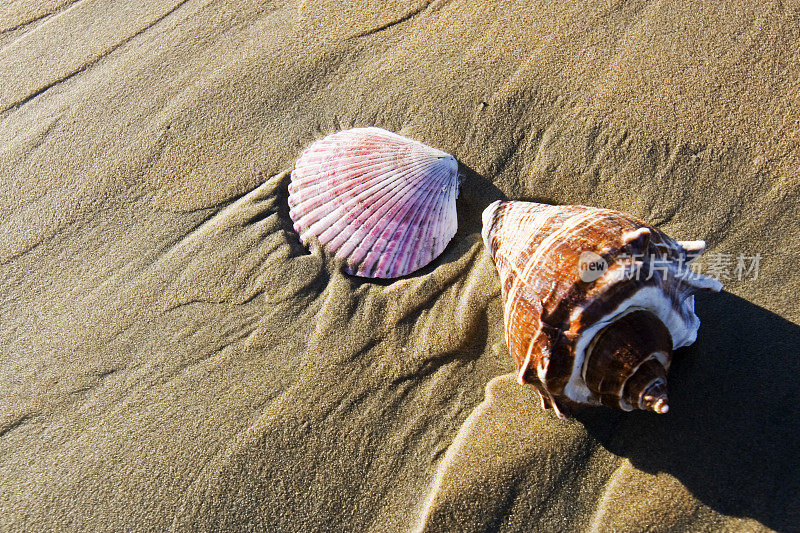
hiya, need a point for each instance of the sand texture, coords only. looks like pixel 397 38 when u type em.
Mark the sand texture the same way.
pixel 172 358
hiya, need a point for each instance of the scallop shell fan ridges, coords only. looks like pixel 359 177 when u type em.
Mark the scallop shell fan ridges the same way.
pixel 383 203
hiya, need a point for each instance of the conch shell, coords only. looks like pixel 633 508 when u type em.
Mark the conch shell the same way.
pixel 594 302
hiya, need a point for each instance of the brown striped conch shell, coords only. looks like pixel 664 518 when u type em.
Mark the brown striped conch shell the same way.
pixel 595 301
pixel 383 203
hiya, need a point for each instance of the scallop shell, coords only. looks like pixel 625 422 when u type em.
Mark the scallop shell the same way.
pixel 594 302
pixel 383 203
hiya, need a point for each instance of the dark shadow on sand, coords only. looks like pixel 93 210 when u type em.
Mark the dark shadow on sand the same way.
pixel 732 436
pixel 475 193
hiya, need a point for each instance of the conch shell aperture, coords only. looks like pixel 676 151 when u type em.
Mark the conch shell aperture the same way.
pixel 595 301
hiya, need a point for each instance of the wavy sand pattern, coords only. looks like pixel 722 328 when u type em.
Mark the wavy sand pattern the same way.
pixel 171 357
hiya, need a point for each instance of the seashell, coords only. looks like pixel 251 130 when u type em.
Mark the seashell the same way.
pixel 594 302
pixel 383 203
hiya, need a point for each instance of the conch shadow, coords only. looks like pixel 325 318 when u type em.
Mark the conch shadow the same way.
pixel 732 436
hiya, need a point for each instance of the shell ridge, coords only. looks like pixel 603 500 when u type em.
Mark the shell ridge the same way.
pixel 411 229
pixel 398 240
pixel 339 207
pixel 334 213
pixel 328 185
pixel 404 240
pixel 388 192
pixel 310 200
pixel 421 253
pixel 405 237
pixel 378 241
pixel 318 154
pixel 316 175
pixel 359 244
pixel 427 249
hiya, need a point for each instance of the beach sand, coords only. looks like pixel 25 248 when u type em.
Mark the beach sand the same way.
pixel 172 357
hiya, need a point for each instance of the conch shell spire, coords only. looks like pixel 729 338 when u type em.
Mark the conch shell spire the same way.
pixel 655 398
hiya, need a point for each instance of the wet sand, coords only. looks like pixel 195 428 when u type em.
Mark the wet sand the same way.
pixel 173 358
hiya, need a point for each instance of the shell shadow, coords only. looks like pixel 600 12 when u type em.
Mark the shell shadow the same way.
pixel 475 193
pixel 282 209
pixel 733 432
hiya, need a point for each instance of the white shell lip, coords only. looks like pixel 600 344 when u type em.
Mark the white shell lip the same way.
pixel 381 202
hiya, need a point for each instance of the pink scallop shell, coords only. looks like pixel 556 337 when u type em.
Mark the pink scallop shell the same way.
pixel 383 203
